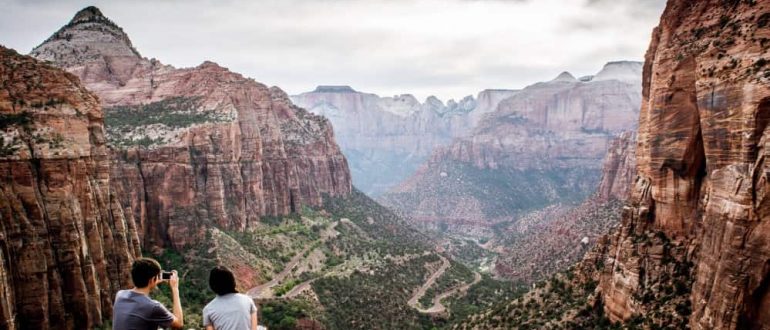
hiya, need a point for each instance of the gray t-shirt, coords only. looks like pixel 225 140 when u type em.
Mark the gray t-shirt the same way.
pixel 135 311
pixel 231 311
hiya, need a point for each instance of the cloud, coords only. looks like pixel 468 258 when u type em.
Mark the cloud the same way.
pixel 448 48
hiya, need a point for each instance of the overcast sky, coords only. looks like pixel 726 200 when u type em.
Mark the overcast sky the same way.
pixel 448 48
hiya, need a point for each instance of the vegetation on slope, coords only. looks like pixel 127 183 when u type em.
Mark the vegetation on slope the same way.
pixel 131 125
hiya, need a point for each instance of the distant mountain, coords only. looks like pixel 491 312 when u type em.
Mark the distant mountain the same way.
pixel 542 145
pixel 196 145
pixel 385 139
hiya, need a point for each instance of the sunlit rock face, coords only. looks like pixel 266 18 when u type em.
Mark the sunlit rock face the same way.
pixel 200 145
pixel 542 145
pixel 386 138
pixel 702 169
pixel 65 243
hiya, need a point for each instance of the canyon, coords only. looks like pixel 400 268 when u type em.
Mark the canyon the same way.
pixel 386 139
pixel 607 213
pixel 541 146
pixel 692 247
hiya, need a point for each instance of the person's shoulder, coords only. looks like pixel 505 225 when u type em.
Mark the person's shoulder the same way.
pixel 242 296
pixel 210 305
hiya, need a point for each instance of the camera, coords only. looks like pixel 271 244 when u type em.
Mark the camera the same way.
pixel 165 275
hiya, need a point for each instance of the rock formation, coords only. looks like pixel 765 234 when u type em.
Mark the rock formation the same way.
pixel 387 138
pixel 619 168
pixel 542 145
pixel 702 171
pixel 65 244
pixel 200 145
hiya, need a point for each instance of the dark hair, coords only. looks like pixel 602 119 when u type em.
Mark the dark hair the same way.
pixel 143 270
pixel 221 280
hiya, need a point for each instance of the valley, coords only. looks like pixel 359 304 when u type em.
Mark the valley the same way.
pixel 631 198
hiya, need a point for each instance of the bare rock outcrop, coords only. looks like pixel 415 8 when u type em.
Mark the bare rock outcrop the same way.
pixel 702 166
pixel 619 168
pixel 65 244
pixel 197 146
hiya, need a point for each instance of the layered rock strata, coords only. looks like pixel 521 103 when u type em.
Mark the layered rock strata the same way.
pixel 66 245
pixel 200 145
pixel 387 138
pixel 702 171
pixel 619 168
pixel 542 145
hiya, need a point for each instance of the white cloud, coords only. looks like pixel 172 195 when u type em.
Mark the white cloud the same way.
pixel 448 48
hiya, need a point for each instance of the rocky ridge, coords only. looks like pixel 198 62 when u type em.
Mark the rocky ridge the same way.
pixel 200 145
pixel 66 245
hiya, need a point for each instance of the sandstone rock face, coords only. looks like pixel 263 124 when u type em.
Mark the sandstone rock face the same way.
pixel 65 244
pixel 619 168
pixel 197 146
pixel 387 138
pixel 702 168
pixel 542 145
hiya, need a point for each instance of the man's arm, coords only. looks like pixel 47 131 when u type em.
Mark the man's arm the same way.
pixel 254 323
pixel 177 309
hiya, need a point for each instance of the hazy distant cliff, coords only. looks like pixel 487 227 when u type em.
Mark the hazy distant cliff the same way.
pixel 386 138
pixel 541 145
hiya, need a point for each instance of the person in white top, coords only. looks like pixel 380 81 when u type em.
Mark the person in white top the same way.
pixel 230 310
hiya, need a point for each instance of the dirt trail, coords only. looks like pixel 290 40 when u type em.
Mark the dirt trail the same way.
pixel 265 290
pixel 432 279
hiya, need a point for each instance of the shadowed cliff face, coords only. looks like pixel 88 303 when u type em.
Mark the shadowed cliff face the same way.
pixel 200 145
pixel 702 170
pixel 65 244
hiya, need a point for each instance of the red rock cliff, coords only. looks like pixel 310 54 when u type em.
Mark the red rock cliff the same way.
pixel 619 168
pixel 199 145
pixel 65 245
pixel 702 183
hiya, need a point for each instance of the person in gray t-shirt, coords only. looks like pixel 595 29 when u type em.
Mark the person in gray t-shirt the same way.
pixel 134 310
pixel 230 310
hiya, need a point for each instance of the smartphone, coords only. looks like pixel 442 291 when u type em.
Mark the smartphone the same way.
pixel 165 275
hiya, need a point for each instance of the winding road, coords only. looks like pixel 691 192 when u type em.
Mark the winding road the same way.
pixel 438 307
pixel 265 290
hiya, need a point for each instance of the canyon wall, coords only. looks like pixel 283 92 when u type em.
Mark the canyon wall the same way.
pixel 619 168
pixel 198 146
pixel 66 245
pixel 702 182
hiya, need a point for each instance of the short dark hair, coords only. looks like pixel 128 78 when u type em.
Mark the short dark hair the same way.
pixel 143 270
pixel 222 280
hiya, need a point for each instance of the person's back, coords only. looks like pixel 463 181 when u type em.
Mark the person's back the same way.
pixel 230 311
pixel 134 311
